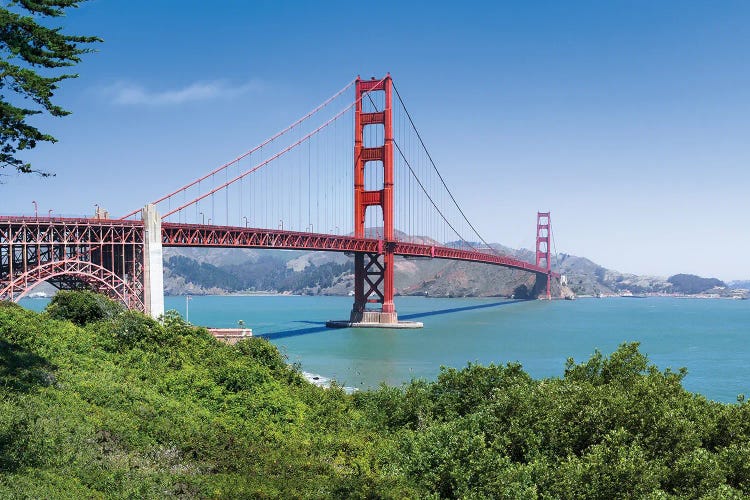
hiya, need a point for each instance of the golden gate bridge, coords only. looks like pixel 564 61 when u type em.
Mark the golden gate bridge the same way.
pixel 352 175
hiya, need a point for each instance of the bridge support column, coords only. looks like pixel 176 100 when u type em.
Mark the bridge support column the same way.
pixel 543 252
pixel 373 272
pixel 153 264
pixel 373 283
pixel 541 286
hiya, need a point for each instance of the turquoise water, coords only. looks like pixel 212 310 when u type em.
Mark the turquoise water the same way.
pixel 709 337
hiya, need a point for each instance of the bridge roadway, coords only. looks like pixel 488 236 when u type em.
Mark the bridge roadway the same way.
pixel 30 246
pixel 197 235
pixel 32 231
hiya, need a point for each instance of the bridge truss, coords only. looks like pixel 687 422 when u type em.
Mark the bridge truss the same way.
pixel 106 256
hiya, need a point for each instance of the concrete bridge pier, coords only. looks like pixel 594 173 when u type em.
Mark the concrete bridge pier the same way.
pixel 153 263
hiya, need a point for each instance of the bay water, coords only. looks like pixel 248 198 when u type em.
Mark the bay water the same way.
pixel 711 338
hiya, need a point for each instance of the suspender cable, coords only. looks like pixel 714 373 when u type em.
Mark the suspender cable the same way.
pixel 438 173
pixel 269 160
pixel 256 148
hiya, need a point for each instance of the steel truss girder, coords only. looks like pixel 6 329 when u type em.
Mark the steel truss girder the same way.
pixel 196 235
pixel 65 272
pixel 103 254
pixel 452 253
pixel 192 235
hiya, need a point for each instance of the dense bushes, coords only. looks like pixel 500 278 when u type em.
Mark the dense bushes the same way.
pixel 82 307
pixel 128 407
pixel 610 428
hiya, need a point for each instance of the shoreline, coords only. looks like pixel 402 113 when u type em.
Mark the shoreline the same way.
pixel 661 296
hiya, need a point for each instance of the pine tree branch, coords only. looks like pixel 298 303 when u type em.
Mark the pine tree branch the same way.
pixel 25 46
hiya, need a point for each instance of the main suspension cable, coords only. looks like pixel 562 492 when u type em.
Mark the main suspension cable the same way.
pixel 439 175
pixel 253 150
pixel 269 160
pixel 408 164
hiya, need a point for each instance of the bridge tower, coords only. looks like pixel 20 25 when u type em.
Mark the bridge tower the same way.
pixel 373 272
pixel 543 251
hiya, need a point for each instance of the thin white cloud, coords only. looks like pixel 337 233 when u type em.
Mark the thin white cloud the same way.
pixel 127 93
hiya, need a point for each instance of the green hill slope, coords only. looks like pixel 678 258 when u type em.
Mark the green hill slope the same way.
pixel 122 406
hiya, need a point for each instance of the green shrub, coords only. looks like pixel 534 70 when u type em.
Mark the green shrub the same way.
pixel 6 304
pixel 126 407
pixel 263 352
pixel 82 307
pixel 134 329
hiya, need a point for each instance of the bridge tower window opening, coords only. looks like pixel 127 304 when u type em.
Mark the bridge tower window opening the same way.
pixel 374 100
pixel 374 222
pixel 373 135
pixel 374 176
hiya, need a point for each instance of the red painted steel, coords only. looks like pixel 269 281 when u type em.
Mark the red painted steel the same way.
pixel 102 254
pixel 198 235
pixel 70 274
pixel 107 255
pixel 279 154
pixel 373 274
pixel 543 249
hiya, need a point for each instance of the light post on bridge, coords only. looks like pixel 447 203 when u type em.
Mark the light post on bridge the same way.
pixel 49 213
pixel 281 224
pixel 96 214
pixel 36 209
pixel 203 218
pixel 245 220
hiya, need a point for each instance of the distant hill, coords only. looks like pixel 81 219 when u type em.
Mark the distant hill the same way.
pixel 216 271
pixel 691 284
pixel 271 271
pixel 739 284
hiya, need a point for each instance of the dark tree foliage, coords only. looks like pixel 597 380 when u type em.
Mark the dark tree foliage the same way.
pixel 521 292
pixel 203 274
pixel 31 55
pixel 82 307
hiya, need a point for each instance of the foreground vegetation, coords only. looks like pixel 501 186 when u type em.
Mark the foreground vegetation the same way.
pixel 97 401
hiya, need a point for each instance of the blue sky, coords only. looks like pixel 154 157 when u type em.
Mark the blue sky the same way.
pixel 627 119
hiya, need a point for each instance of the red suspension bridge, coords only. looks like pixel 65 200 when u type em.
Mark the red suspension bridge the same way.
pixel 293 191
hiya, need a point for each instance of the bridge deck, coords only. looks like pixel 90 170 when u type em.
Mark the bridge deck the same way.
pixel 197 235
pixel 41 231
